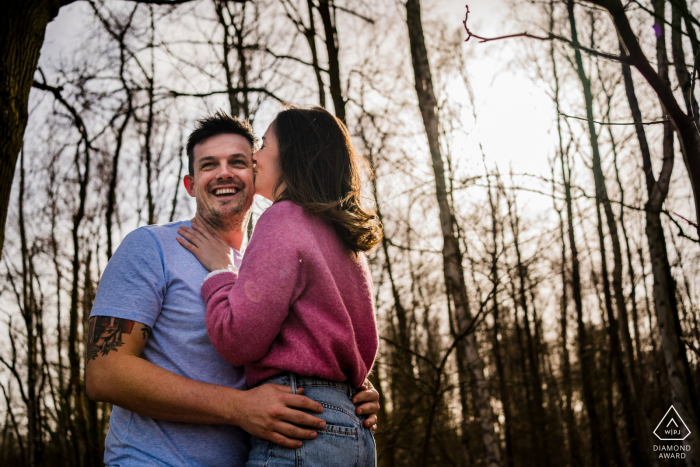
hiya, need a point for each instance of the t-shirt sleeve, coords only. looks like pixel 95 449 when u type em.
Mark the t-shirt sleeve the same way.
pixel 133 284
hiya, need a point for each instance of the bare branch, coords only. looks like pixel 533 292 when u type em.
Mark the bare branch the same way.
pixel 612 124
pixel 354 13
pixel 688 221
pixel 549 37
pixel 214 93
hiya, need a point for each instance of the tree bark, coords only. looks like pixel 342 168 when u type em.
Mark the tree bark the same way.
pixel 331 34
pixel 148 133
pixel 451 253
pixel 29 311
pixel 684 78
pixel 22 29
pixel 310 34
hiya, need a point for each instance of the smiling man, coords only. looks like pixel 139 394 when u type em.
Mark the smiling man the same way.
pixel 176 400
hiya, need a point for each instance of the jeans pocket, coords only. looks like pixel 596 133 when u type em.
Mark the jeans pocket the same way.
pixel 335 446
pixel 267 454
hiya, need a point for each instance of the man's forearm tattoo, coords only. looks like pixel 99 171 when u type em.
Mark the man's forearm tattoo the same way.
pixel 105 335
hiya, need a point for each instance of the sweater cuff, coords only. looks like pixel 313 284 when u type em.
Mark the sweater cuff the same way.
pixel 217 281
pixel 215 272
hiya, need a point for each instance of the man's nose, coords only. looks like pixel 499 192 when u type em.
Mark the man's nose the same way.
pixel 224 171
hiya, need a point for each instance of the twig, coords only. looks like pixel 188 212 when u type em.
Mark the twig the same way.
pixel 549 37
pixel 173 93
pixel 666 120
pixel 690 346
pixel 689 222
pixel 681 233
pixel 354 13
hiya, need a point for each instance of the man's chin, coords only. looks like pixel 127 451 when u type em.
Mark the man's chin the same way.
pixel 227 211
pixel 226 215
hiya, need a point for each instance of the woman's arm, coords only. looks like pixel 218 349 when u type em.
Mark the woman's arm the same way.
pixel 245 310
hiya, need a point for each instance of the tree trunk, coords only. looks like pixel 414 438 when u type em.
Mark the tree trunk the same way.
pixel 331 34
pixel 401 350
pixel 684 78
pixel 76 383
pixel 310 34
pixel 686 129
pixel 623 371
pixel 452 256
pixel 585 351
pixel 29 310
pixel 93 436
pixel 243 66
pixel 522 366
pixel 539 420
pixel 497 335
pixel 682 388
pixel 569 417
pixel 148 133
pixel 22 28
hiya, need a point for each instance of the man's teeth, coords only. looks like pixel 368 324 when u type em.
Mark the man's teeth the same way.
pixel 225 191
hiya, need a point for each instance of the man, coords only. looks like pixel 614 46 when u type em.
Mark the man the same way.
pixel 177 401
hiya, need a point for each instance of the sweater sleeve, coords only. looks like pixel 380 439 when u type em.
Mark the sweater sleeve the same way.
pixel 245 311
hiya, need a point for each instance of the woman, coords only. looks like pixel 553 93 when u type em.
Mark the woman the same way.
pixel 300 311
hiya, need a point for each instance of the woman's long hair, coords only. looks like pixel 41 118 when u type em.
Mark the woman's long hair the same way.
pixel 321 170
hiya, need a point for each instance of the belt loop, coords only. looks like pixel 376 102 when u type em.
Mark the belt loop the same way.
pixel 293 382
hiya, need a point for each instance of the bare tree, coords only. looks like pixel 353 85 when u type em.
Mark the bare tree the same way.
pixel 452 255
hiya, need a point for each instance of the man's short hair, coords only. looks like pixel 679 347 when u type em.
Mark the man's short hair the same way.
pixel 219 123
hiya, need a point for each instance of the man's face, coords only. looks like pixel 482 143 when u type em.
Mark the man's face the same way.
pixel 223 180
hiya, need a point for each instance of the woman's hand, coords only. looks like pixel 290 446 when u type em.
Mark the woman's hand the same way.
pixel 207 247
pixel 369 398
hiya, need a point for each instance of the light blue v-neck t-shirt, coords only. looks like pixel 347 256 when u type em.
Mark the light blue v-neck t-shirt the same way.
pixel 152 279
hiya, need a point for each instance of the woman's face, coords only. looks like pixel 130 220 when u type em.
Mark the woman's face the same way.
pixel 268 169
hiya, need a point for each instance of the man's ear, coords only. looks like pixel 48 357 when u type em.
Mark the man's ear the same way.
pixel 189 184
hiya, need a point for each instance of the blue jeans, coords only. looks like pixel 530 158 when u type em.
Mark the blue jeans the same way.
pixel 343 443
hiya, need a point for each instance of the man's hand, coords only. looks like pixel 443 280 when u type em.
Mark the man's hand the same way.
pixel 370 398
pixel 273 413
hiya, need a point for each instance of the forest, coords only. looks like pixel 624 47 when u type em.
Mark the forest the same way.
pixel 537 288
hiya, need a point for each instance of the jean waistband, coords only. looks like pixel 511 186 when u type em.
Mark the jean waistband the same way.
pixel 298 381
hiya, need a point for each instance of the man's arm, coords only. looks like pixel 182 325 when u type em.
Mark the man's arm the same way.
pixel 117 374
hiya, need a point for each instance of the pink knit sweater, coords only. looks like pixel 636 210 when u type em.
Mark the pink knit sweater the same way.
pixel 301 302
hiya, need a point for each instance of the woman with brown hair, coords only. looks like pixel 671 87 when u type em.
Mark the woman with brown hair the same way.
pixel 300 310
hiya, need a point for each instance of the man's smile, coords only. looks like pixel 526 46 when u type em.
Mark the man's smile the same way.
pixel 225 192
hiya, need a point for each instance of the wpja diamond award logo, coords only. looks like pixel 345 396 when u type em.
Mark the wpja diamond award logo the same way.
pixel 672 428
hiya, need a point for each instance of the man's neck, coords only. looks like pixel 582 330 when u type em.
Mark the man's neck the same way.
pixel 232 237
